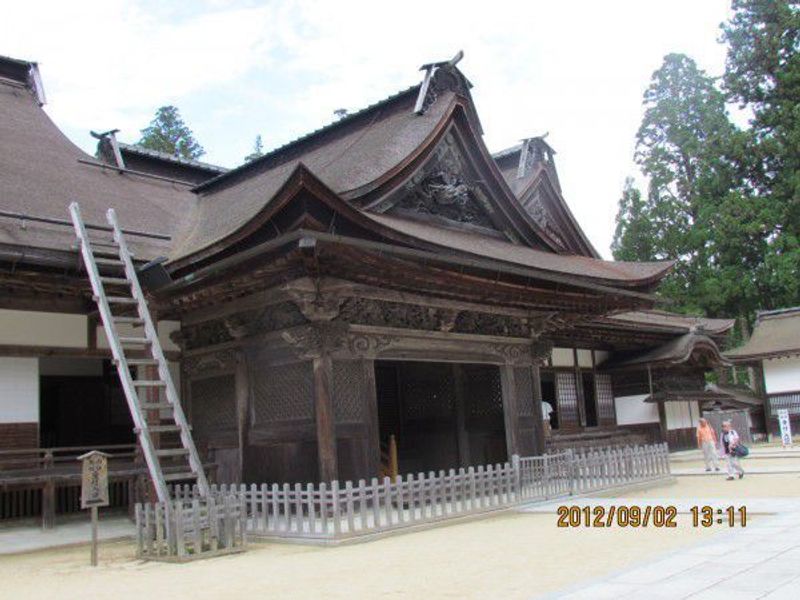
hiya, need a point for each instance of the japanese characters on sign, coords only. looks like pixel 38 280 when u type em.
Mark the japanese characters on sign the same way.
pixel 94 480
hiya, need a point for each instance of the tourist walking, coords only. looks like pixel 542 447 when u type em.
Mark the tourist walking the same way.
pixel 730 440
pixel 707 442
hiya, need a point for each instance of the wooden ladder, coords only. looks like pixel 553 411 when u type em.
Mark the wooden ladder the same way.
pixel 183 462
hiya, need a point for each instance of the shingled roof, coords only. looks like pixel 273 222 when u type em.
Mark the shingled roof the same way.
pixel 352 157
pixel 41 172
pixel 674 322
pixel 629 274
pixel 776 334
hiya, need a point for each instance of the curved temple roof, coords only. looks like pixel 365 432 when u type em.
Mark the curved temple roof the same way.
pixel 374 151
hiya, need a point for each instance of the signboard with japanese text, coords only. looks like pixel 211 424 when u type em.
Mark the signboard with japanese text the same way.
pixel 786 426
pixel 94 480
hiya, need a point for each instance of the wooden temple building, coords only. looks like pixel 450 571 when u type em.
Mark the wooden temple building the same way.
pixel 385 275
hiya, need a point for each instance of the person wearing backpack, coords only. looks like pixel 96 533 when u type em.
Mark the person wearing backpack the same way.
pixel 730 445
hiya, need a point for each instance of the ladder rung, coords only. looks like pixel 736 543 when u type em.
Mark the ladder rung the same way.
pixel 149 383
pixel 172 452
pixel 179 476
pixel 141 362
pixel 164 428
pixel 130 320
pixel 120 300
pixel 110 244
pixel 115 280
pixel 133 340
pixel 114 262
pixel 156 405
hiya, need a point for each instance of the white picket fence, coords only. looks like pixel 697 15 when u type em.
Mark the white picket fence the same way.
pixel 337 511
pixel 184 529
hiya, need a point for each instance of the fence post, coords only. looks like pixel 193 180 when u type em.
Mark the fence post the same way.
pixel 571 471
pixel 337 512
pixel 515 463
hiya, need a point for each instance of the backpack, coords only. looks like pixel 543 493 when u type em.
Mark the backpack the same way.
pixel 741 451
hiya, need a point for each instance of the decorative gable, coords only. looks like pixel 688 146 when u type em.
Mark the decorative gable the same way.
pixel 444 188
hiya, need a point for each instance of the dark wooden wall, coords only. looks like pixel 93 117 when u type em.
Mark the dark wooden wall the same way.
pixel 16 436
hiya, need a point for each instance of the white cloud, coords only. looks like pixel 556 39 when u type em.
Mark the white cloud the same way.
pixel 576 69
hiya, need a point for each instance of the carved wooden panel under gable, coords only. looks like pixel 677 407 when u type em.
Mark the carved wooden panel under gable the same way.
pixel 444 188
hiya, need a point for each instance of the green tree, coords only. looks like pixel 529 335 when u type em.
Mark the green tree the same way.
pixel 633 237
pixel 681 147
pixel 762 74
pixel 168 133
pixel 258 150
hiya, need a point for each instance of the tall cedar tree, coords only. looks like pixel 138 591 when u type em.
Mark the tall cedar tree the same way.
pixel 762 74
pixel 168 133
pixel 258 150
pixel 681 148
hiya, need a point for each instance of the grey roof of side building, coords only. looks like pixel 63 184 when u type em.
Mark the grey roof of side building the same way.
pixel 775 335
pixel 188 162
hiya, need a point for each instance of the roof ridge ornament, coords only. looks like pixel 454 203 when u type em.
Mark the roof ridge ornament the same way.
pixel 110 137
pixel 427 93
pixel 534 150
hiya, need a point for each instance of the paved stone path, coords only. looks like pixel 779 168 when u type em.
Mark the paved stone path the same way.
pixel 751 468
pixel 24 538
pixel 760 561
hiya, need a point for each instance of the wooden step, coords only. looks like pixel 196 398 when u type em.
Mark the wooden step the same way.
pixel 172 452
pixel 133 340
pixel 111 262
pixel 119 300
pixel 129 320
pixel 115 280
pixel 149 383
pixel 142 362
pixel 179 476
pixel 156 405
pixel 164 429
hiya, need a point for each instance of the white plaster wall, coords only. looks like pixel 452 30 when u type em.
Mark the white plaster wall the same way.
pixel 562 357
pixel 679 415
pixel 782 374
pixel 29 328
pixel 585 358
pixel 633 409
pixel 19 390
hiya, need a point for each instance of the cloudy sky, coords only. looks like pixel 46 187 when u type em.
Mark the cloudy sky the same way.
pixel 575 69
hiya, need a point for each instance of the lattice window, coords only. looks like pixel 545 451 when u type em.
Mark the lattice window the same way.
pixel 524 385
pixel 283 393
pixel 567 397
pixel 483 395
pixel 213 405
pixel 428 391
pixel 349 389
pixel 790 401
pixel 605 397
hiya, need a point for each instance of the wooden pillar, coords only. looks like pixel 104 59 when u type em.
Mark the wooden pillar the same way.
pixel 462 438
pixel 242 392
pixel 326 425
pixel 48 495
pixel 371 402
pixel 581 396
pixel 538 419
pixel 510 408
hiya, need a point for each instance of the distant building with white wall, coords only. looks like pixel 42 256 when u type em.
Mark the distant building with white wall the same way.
pixel 774 352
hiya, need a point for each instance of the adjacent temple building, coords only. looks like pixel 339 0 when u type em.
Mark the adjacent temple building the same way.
pixel 383 276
